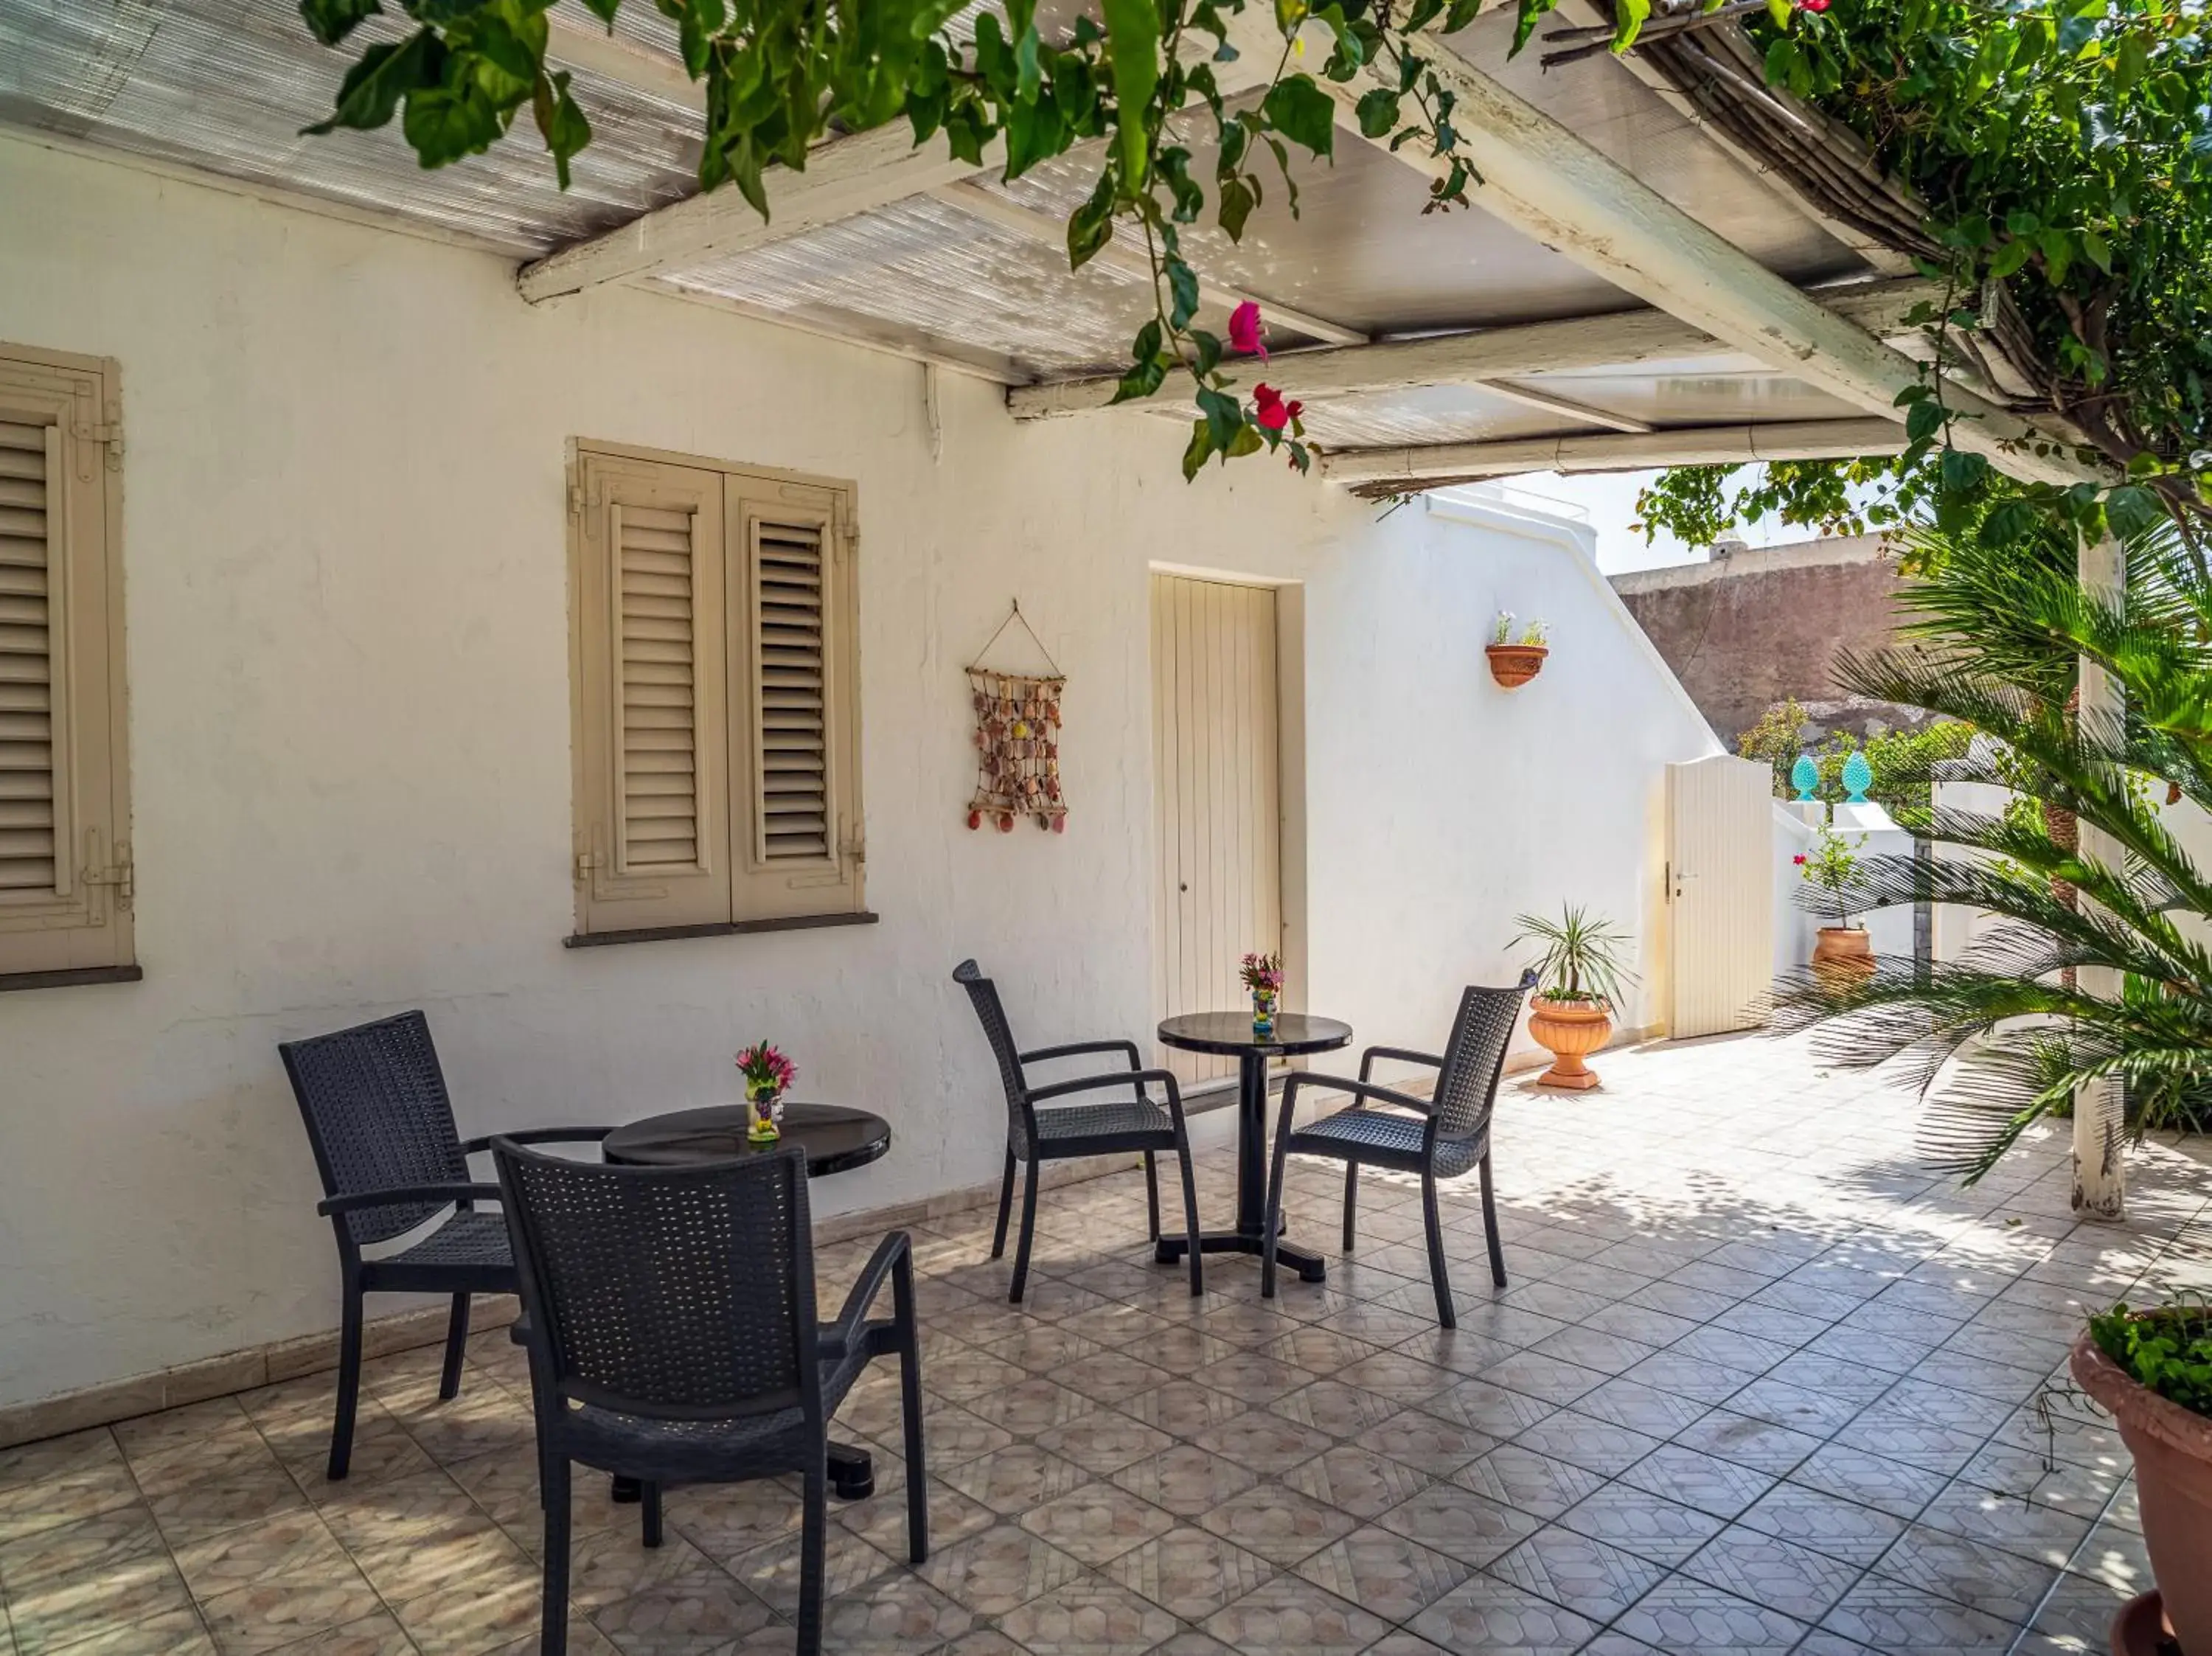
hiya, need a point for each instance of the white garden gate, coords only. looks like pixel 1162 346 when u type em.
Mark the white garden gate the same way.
pixel 1720 893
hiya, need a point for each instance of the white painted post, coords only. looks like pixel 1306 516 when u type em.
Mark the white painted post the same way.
pixel 2100 1174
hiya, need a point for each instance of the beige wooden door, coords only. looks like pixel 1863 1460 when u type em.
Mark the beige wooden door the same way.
pixel 1720 893
pixel 1216 796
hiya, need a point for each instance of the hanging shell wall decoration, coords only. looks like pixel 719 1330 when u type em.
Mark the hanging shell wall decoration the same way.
pixel 1018 750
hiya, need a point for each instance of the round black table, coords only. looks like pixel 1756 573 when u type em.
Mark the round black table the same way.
pixel 836 1139
pixel 1230 1035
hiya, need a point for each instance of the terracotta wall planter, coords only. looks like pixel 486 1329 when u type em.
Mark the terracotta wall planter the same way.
pixel 1844 948
pixel 2172 1451
pixel 1514 665
pixel 1568 1029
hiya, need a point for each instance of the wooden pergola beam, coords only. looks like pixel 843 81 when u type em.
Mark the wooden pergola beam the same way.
pixel 1620 339
pixel 1557 188
pixel 1403 471
pixel 845 176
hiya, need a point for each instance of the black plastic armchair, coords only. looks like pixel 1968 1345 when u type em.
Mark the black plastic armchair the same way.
pixel 1113 1128
pixel 1439 1137
pixel 670 1319
pixel 381 1126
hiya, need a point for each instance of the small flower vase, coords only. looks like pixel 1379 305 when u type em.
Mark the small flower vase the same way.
pixel 1263 1012
pixel 765 1110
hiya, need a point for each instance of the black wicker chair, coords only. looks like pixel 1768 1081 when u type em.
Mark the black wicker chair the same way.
pixel 1448 1132
pixel 1114 1128
pixel 381 1125
pixel 670 1318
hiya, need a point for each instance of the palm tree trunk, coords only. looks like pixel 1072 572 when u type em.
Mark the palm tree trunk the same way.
pixel 2100 1189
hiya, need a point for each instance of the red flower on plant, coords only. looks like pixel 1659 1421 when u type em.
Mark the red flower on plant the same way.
pixel 1269 409
pixel 1245 331
pixel 1799 859
pixel 1812 5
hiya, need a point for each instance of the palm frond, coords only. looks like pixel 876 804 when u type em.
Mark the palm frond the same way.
pixel 2008 1035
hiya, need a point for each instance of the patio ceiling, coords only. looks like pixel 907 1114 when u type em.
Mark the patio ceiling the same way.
pixel 1632 288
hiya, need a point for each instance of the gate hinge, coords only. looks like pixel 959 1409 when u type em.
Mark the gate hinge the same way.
pixel 855 849
pixel 587 861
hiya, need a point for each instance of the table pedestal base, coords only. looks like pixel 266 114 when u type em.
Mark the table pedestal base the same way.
pixel 1311 1267
pixel 852 1478
pixel 1251 1183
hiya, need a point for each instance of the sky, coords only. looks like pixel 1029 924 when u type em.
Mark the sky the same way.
pixel 1609 497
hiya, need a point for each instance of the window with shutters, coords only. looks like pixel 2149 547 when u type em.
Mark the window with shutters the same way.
pixel 65 888
pixel 716 704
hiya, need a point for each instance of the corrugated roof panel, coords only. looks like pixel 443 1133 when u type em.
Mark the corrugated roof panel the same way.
pixel 1428 414
pixel 1361 251
pixel 1678 398
pixel 226 85
pixel 927 267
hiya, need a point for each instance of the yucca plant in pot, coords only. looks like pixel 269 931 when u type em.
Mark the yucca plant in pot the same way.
pixel 1582 973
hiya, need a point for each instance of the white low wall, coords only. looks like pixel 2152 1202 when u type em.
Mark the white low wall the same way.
pixel 345 551
pixel 1795 929
pixel 1869 831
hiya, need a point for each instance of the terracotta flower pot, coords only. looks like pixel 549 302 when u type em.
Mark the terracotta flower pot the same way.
pixel 2172 1451
pixel 1514 665
pixel 1844 948
pixel 1568 1029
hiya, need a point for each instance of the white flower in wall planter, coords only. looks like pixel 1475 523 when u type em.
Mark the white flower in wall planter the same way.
pixel 1516 659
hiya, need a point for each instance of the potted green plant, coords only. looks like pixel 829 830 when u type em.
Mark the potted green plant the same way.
pixel 2153 1371
pixel 1832 867
pixel 1581 975
pixel 1514 662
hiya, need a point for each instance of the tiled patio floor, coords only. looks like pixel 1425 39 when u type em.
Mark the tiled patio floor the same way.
pixel 1758 1385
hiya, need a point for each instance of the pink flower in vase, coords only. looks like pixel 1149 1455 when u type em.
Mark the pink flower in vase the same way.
pixel 765 1069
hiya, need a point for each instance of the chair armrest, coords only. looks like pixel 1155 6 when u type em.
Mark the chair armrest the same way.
pixel 1396 1055
pixel 538 1135
pixel 1363 1090
pixel 1117 1078
pixel 844 1335
pixel 401 1195
pixel 1076 1049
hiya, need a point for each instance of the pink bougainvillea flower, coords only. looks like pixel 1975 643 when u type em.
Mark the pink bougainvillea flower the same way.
pixel 1799 860
pixel 1812 5
pixel 1244 329
pixel 1268 408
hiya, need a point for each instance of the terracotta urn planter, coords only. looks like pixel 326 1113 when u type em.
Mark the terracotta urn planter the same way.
pixel 1844 948
pixel 1568 1029
pixel 2172 1451
pixel 1514 665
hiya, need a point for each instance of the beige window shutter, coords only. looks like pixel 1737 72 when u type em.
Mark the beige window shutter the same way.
pixel 795 742
pixel 65 888
pixel 651 712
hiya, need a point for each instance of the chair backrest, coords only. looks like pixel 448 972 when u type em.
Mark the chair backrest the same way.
pixel 985 994
pixel 1467 1086
pixel 378 1117
pixel 673 1293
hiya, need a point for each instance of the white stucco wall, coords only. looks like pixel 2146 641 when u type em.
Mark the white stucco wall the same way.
pixel 345 555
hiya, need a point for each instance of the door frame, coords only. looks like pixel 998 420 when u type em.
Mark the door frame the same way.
pixel 1289 786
